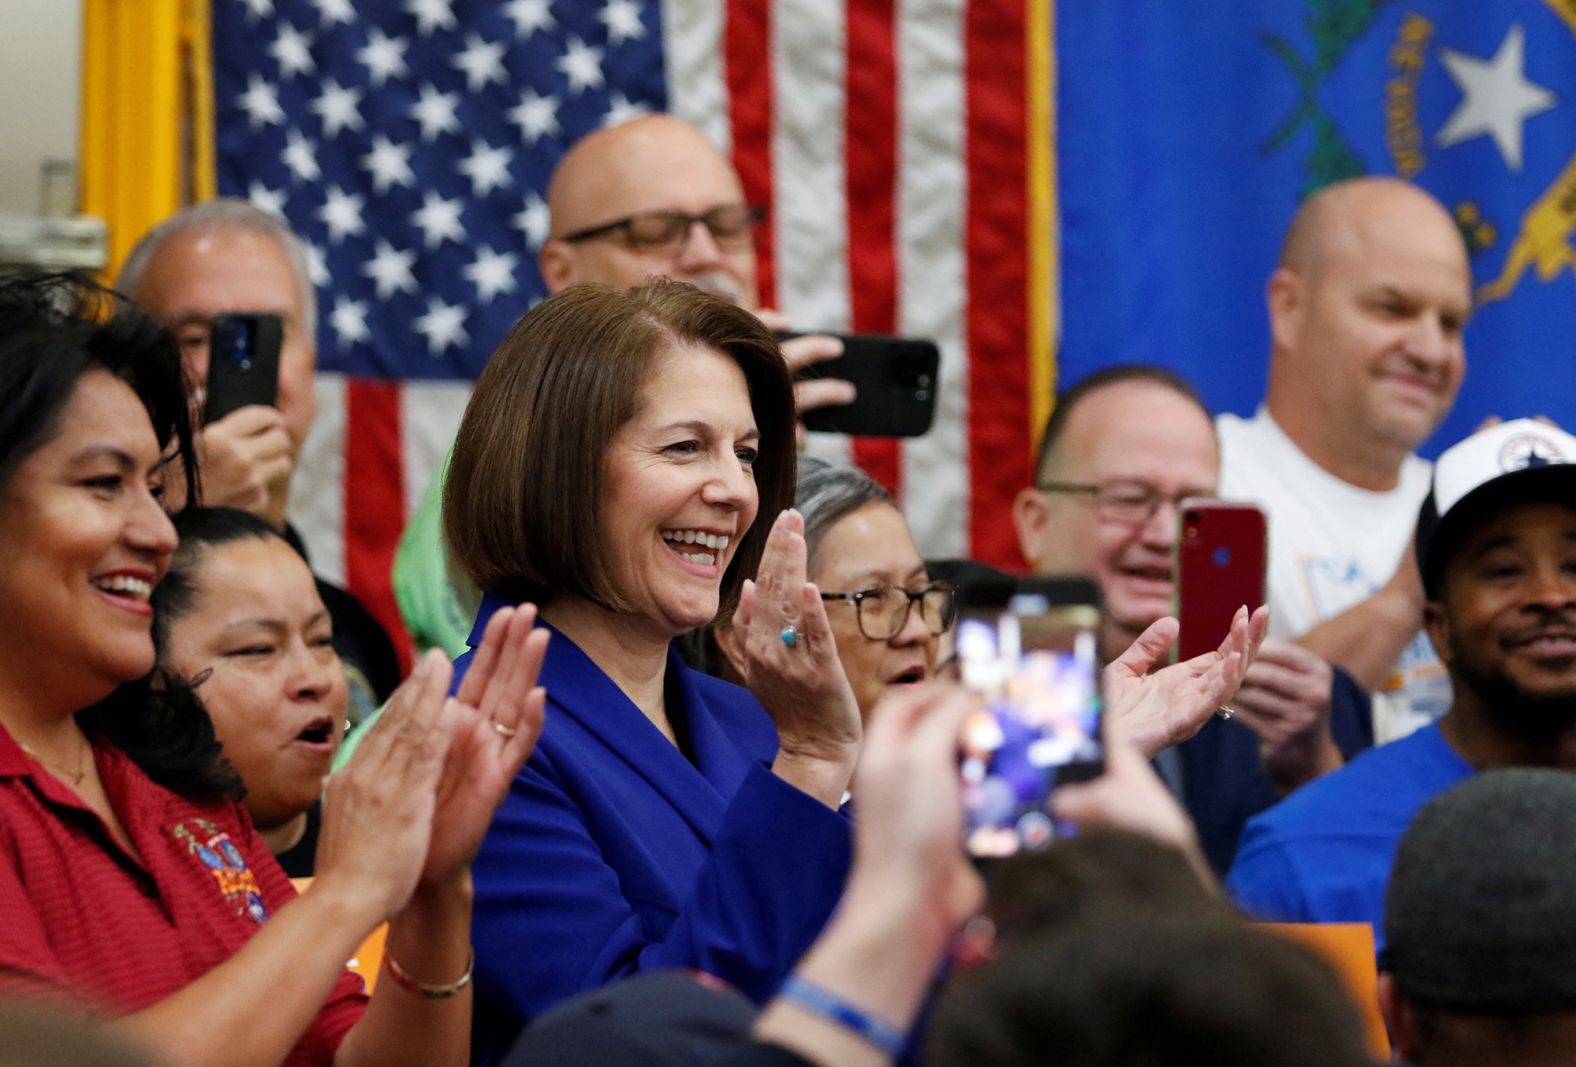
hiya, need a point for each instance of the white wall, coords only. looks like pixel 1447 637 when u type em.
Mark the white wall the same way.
pixel 40 64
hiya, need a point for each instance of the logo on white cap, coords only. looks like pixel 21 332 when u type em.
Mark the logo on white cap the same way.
pixel 1506 448
pixel 1529 450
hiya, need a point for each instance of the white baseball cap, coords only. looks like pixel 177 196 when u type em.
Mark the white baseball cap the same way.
pixel 1519 462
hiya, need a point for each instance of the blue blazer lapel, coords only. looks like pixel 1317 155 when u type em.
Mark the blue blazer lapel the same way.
pixel 578 689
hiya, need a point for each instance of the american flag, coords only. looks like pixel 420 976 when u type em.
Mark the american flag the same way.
pixel 409 142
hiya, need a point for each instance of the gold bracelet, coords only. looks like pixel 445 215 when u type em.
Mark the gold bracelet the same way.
pixel 431 992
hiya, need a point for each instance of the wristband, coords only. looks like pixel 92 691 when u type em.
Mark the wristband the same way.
pixel 431 992
pixel 834 1009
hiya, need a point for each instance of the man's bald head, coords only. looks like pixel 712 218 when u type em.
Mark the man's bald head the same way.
pixel 652 163
pixel 1367 308
pixel 1343 217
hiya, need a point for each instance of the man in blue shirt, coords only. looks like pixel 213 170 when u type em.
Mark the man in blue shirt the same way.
pixel 1496 547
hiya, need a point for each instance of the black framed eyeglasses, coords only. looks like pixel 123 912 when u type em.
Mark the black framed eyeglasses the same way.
pixel 1127 501
pixel 882 610
pixel 732 226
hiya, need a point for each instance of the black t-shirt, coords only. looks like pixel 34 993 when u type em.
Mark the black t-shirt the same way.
pixel 298 860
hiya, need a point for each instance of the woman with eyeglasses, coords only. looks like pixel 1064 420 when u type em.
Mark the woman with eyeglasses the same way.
pixel 886 614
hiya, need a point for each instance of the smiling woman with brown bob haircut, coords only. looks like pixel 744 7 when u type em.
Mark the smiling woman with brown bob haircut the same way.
pixel 611 467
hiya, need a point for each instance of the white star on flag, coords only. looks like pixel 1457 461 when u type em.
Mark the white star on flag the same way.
pixel 338 107
pixel 292 50
pixel 388 163
pixel 482 62
pixel 443 325
pixel 582 65
pixel 435 112
pixel 301 157
pixel 439 219
pixel 486 167
pixel 389 269
pixel 492 273
pixel 316 264
pixel 349 319
pixel 620 110
pixel 1496 97
pixel 331 11
pixel 622 19
pixel 261 103
pixel 432 15
pixel 269 200
pixel 533 220
pixel 341 213
pixel 530 16
pixel 384 57
pixel 259 9
pixel 536 115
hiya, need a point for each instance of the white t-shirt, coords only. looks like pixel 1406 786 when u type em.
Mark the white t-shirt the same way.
pixel 1333 545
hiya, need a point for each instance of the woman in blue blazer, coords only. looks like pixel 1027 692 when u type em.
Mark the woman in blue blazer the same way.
pixel 620 464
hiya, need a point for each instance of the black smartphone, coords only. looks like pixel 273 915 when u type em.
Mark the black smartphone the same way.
pixel 1030 649
pixel 243 363
pixel 896 382
pixel 1221 551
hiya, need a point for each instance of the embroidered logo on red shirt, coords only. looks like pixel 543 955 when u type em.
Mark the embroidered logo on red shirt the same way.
pixel 217 853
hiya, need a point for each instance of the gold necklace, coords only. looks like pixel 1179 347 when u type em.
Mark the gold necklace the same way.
pixel 76 776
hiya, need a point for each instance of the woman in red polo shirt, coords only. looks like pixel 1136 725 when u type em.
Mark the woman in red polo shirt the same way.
pixel 131 881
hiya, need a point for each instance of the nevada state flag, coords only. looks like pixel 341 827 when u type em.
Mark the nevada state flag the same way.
pixel 1188 134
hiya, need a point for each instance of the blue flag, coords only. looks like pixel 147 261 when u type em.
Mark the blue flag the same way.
pixel 1188 135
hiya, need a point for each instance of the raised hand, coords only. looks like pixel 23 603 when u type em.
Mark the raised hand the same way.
pixel 494 721
pixel 378 809
pixel 244 457
pixel 1155 711
pixel 908 844
pixel 789 661
pixel 1285 701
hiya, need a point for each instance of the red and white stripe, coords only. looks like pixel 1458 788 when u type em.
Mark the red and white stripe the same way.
pixel 887 140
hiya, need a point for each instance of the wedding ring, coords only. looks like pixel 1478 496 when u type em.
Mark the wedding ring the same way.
pixel 790 636
pixel 507 731
pixel 1225 712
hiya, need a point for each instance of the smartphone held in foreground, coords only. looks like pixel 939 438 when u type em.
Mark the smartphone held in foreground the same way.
pixel 1030 649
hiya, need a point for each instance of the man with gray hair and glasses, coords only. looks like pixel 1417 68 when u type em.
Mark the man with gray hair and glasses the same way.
pixel 229 256
pixel 1122 448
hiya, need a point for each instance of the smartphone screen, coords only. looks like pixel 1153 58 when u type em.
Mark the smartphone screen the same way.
pixel 1036 666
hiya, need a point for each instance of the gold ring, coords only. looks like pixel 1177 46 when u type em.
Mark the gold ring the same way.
pixel 507 731
pixel 1225 712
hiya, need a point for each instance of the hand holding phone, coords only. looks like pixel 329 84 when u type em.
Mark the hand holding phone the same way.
pixel 243 363
pixel 1220 554
pixel 894 380
pixel 1030 651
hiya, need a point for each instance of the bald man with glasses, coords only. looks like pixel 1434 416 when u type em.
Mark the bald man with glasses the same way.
pixel 1121 450
pixel 653 196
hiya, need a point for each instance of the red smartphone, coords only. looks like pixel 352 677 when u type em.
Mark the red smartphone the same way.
pixel 1220 555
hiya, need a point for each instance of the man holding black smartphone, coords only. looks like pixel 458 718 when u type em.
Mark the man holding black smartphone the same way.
pixel 1122 448
pixel 229 260
pixel 651 196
